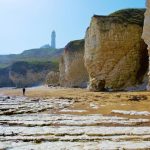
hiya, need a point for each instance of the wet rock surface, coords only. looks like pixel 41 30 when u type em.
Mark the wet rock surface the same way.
pixel 42 124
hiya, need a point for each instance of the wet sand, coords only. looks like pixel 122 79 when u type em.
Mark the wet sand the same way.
pixel 73 119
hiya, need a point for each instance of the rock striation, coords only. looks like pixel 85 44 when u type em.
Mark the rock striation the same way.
pixel 115 55
pixel 146 34
pixel 72 70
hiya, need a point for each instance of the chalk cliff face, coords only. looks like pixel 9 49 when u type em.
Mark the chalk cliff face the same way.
pixel 62 77
pixel 115 54
pixel 72 70
pixel 52 79
pixel 146 34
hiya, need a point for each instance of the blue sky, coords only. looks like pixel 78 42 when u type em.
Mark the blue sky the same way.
pixel 26 24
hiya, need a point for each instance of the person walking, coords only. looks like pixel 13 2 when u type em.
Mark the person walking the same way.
pixel 24 91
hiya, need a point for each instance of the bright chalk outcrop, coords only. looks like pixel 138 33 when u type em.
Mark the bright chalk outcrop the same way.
pixel 115 55
pixel 72 70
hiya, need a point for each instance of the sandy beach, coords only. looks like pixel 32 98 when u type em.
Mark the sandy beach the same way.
pixel 103 102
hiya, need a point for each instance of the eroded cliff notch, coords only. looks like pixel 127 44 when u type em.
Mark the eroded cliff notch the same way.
pixel 115 55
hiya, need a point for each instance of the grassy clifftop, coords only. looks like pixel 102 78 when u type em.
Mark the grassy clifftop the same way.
pixel 33 55
pixel 75 45
pixel 22 67
pixel 133 16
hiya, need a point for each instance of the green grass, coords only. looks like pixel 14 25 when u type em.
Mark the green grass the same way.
pixel 3 66
pixel 22 67
pixel 42 55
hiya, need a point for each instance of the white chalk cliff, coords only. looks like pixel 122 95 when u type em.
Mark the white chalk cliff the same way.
pixel 115 55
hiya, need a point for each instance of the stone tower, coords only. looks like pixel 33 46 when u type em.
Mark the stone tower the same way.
pixel 53 39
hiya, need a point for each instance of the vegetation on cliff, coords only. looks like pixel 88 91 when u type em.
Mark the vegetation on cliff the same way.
pixel 131 16
pixel 33 55
pixel 76 45
pixel 22 67
pixel 28 68
pixel 30 73
pixel 128 16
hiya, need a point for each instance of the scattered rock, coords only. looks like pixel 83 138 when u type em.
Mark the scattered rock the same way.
pixel 37 141
pixel 8 97
pixel 137 97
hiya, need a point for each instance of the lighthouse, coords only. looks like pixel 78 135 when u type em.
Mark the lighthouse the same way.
pixel 53 40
